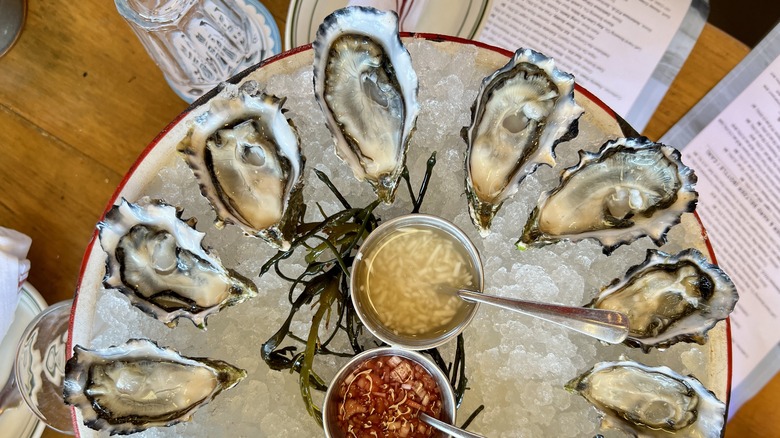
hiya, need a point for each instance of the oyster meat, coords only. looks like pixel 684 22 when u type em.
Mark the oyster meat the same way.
pixel 648 401
pixel 156 260
pixel 670 298
pixel 246 156
pixel 523 110
pixel 129 388
pixel 630 188
pixel 367 90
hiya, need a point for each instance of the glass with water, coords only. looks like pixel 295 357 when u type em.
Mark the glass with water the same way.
pixel 196 43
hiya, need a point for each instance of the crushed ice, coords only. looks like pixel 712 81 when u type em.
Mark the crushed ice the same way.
pixel 523 362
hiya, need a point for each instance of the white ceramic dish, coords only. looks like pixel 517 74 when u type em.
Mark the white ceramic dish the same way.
pixel 20 421
pixel 89 319
pixel 462 19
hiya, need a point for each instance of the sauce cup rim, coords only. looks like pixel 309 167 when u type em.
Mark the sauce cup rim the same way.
pixel 375 327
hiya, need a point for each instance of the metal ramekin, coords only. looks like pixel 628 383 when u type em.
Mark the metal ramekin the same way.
pixel 369 317
pixel 330 404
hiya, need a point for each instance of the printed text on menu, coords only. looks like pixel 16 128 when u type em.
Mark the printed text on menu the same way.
pixel 737 160
pixel 611 46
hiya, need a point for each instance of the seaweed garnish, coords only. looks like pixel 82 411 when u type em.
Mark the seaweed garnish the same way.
pixel 324 286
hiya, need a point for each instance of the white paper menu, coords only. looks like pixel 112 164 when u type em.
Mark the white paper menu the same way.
pixel 737 160
pixel 736 156
pixel 611 46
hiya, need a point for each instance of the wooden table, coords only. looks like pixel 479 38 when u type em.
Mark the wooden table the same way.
pixel 80 99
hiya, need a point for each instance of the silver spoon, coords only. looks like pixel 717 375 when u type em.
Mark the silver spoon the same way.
pixel 449 429
pixel 605 325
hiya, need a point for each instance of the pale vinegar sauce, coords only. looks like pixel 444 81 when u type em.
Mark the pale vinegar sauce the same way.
pixel 410 278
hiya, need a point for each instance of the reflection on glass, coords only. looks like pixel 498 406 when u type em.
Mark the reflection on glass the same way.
pixel 40 366
pixel 196 43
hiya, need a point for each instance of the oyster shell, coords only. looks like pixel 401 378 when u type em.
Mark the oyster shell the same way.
pixel 630 188
pixel 523 110
pixel 366 87
pixel 670 299
pixel 648 401
pixel 247 159
pixel 157 261
pixel 129 388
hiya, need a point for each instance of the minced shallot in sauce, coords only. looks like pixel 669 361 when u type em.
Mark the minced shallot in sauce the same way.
pixel 382 397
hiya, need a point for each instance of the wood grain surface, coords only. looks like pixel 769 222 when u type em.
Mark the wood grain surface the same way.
pixel 80 99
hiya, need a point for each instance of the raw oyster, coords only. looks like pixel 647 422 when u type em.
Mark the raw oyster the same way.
pixel 670 299
pixel 132 387
pixel 630 188
pixel 367 89
pixel 247 159
pixel 523 110
pixel 648 401
pixel 157 261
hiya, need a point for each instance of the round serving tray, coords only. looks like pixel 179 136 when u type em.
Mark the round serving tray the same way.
pixel 95 323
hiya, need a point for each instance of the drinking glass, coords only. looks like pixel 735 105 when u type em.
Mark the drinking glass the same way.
pixel 40 366
pixel 198 43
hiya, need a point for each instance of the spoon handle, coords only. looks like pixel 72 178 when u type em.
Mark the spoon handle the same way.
pixel 606 325
pixel 453 431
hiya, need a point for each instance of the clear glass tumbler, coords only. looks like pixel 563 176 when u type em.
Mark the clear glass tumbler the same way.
pixel 40 366
pixel 197 43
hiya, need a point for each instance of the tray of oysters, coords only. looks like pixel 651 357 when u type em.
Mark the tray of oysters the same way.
pixel 215 298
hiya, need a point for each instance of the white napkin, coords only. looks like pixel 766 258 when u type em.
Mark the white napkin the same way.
pixel 14 268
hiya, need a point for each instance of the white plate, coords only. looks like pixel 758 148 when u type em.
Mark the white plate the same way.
pixel 20 422
pixel 461 18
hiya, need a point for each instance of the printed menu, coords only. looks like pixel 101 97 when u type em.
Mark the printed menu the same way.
pixel 736 157
pixel 611 46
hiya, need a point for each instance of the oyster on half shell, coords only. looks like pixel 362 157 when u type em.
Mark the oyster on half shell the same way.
pixel 646 401
pixel 523 110
pixel 157 261
pixel 367 89
pixel 670 298
pixel 630 188
pixel 246 156
pixel 131 387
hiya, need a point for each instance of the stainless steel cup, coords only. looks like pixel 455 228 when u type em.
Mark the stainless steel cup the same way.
pixel 330 404
pixel 368 314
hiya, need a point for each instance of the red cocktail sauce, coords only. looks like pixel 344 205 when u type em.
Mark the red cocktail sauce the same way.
pixel 383 396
